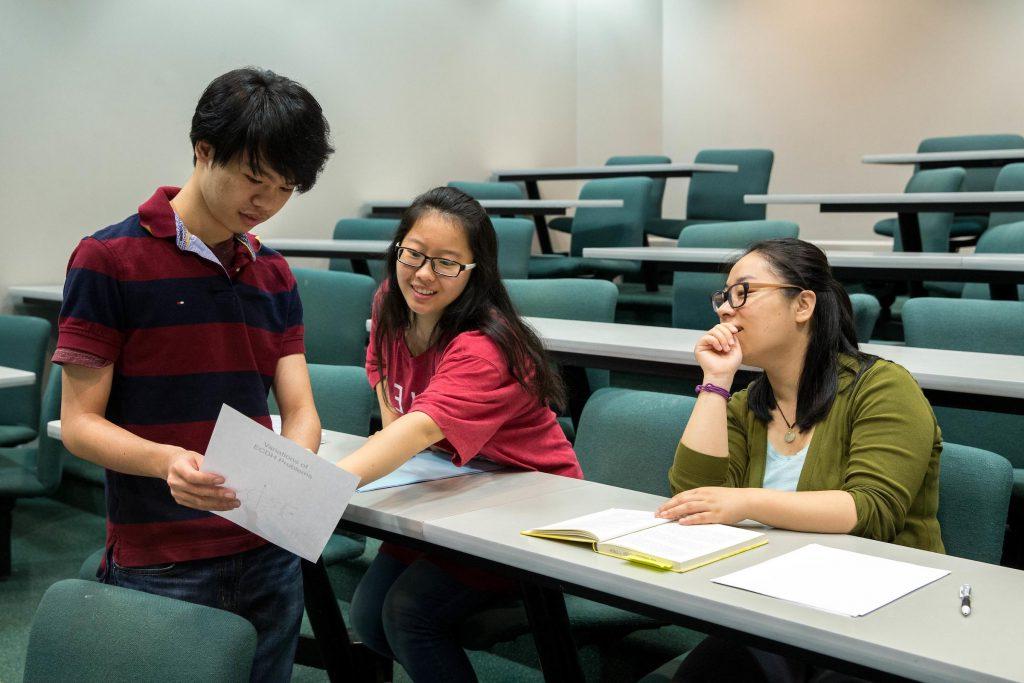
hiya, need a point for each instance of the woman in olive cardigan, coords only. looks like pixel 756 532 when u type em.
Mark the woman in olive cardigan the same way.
pixel 827 440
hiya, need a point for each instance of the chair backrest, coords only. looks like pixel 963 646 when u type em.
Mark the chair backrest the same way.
pixel 974 496
pixel 866 310
pixel 335 308
pixel 343 397
pixel 89 631
pixel 1007 238
pixel 515 239
pixel 51 453
pixel 496 190
pixel 1010 179
pixel 984 327
pixel 691 292
pixel 657 184
pixel 23 342
pixel 719 196
pixel 623 227
pixel 363 229
pixel 628 438
pixel 567 299
pixel 976 179
pixel 935 227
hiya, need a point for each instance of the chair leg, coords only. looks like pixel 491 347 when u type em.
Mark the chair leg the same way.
pixel 6 508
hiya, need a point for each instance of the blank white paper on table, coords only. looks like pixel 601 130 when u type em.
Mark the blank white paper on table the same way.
pixel 838 581
pixel 288 495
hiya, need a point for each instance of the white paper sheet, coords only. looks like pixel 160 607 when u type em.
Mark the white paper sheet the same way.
pixel 834 580
pixel 428 466
pixel 289 496
pixel 608 524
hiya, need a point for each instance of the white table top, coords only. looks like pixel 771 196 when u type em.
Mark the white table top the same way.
pixel 925 157
pixel 348 246
pixel 836 258
pixel 520 204
pixel 613 171
pixel 957 371
pixel 43 292
pixel 951 198
pixel 921 636
pixel 854 245
pixel 12 377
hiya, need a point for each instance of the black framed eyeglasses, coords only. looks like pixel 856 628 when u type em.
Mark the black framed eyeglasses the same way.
pixel 442 266
pixel 736 294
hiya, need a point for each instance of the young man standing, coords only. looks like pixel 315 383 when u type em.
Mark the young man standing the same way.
pixel 175 311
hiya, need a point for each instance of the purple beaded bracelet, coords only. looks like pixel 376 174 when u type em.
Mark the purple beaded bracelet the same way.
pixel 714 389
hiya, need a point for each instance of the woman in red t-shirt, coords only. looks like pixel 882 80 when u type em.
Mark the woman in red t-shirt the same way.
pixel 453 367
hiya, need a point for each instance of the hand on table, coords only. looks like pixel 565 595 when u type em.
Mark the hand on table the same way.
pixel 707 505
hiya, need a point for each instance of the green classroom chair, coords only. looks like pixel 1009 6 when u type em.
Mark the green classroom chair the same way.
pixel 343 397
pixel 30 471
pixel 866 309
pixel 335 307
pixel 23 344
pixel 601 227
pixel 618 426
pixel 966 227
pixel 515 240
pixel 974 495
pixel 718 197
pixel 363 229
pixel 691 292
pixel 1007 238
pixel 94 633
pixel 489 190
pixel 984 327
pixel 564 223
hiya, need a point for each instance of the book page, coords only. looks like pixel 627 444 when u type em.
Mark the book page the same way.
pixel 289 496
pixel 606 524
pixel 682 544
pixel 838 581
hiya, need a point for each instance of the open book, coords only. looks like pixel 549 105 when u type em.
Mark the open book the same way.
pixel 639 536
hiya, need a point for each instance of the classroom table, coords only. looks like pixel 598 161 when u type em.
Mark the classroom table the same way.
pixel 958 379
pixel 477 519
pixel 46 295
pixel 358 251
pixel 1002 272
pixel 980 158
pixel 921 636
pixel 530 176
pixel 13 377
pixel 906 206
pixel 538 208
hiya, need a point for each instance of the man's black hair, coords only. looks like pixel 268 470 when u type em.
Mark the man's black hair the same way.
pixel 271 118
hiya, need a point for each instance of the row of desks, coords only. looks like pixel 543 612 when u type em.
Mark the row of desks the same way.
pixel 478 519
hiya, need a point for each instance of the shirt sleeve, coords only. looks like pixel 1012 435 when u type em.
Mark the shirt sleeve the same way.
pixel 891 442
pixel 92 316
pixel 70 357
pixel 469 398
pixel 692 469
pixel 294 333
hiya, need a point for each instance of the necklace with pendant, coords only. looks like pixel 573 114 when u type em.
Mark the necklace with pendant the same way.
pixel 790 436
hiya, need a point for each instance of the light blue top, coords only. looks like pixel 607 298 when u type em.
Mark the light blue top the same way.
pixel 782 472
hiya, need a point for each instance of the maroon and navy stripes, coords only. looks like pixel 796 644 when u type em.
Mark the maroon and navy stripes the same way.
pixel 185 338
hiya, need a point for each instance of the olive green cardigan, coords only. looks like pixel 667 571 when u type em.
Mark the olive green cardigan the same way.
pixel 879 442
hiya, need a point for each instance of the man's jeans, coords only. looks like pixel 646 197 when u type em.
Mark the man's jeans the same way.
pixel 264 585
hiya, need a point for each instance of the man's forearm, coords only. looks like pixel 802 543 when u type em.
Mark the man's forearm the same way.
pixel 303 427
pixel 94 438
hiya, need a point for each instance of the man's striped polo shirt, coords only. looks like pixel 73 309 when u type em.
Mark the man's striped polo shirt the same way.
pixel 185 335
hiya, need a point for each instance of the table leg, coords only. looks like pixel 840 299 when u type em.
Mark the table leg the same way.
pixel 359 265
pixel 577 386
pixel 545 608
pixel 540 223
pixel 910 231
pixel 328 624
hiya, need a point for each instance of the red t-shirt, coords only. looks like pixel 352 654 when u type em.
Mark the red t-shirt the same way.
pixel 466 388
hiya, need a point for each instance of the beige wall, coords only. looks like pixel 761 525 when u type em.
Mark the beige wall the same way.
pixel 97 98
pixel 823 82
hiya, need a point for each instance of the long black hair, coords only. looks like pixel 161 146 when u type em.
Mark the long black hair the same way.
pixel 483 306
pixel 832 331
